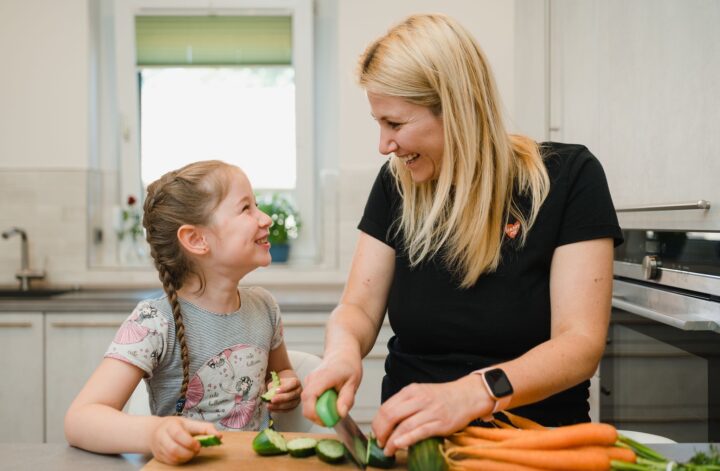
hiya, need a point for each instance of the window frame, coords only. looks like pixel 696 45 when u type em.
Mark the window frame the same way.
pixel 122 108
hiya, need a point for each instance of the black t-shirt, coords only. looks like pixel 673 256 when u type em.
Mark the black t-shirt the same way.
pixel 443 332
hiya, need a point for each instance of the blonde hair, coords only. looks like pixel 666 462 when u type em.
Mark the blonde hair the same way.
pixel 432 61
pixel 185 196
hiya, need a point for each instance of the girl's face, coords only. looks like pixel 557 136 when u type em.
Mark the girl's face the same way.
pixel 238 233
pixel 412 132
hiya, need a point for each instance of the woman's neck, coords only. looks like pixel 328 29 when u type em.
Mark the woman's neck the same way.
pixel 222 298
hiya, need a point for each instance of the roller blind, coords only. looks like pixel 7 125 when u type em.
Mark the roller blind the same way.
pixel 213 40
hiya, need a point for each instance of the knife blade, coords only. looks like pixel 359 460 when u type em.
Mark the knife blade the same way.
pixel 355 441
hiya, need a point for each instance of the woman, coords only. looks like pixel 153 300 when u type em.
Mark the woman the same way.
pixel 491 254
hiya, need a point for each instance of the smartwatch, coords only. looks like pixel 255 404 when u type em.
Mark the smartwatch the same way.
pixel 498 386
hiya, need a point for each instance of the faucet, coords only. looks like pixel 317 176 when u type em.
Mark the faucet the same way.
pixel 25 274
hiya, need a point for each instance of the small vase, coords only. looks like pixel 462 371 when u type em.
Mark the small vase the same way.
pixel 279 253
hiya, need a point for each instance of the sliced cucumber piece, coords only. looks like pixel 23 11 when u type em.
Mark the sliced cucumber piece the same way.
pixel 330 450
pixel 269 442
pixel 272 390
pixel 375 456
pixel 426 455
pixel 326 408
pixel 208 440
pixel 301 447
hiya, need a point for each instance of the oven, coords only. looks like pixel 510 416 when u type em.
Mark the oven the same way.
pixel 661 370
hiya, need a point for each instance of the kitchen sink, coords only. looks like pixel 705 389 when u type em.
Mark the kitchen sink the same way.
pixel 39 293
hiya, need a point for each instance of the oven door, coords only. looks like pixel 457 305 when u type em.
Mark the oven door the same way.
pixel 661 370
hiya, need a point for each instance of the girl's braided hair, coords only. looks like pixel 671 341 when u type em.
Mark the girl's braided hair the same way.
pixel 185 196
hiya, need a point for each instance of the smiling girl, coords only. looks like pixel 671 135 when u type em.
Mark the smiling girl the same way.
pixel 205 348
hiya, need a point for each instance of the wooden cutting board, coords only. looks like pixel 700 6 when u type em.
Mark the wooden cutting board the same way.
pixel 236 454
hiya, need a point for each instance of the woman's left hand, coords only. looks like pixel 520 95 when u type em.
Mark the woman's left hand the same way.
pixel 423 410
pixel 287 396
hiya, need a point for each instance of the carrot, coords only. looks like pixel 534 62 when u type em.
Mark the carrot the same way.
pixel 567 436
pixel 558 460
pixel 614 452
pixel 466 440
pixel 489 465
pixel 522 422
pixel 500 424
pixel 494 434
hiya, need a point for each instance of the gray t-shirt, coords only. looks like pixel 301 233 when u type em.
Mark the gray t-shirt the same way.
pixel 228 357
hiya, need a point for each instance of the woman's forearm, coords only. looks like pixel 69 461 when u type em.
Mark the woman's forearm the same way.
pixel 351 330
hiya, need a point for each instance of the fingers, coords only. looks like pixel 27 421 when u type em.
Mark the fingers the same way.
pixel 286 397
pixel 172 443
pixel 316 383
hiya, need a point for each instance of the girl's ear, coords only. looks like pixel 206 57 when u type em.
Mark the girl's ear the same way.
pixel 192 239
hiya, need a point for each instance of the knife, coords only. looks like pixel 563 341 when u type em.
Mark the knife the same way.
pixel 352 437
pixel 355 441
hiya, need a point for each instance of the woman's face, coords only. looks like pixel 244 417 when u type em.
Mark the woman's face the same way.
pixel 412 132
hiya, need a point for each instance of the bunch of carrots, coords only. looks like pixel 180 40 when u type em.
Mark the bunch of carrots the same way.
pixel 528 446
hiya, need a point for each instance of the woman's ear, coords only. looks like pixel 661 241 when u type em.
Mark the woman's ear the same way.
pixel 192 239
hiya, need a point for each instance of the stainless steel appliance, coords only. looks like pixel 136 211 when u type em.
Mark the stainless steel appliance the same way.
pixel 661 370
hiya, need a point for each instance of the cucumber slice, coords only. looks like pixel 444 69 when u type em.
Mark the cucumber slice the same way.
pixel 274 385
pixel 269 442
pixel 326 408
pixel 208 440
pixel 301 447
pixel 375 456
pixel 426 455
pixel 330 450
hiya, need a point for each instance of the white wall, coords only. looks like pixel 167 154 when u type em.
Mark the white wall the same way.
pixel 45 129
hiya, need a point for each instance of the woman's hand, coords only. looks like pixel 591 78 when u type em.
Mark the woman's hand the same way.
pixel 342 371
pixel 287 396
pixel 424 410
pixel 172 441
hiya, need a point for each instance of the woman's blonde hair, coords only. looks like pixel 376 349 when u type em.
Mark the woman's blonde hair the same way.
pixel 185 196
pixel 432 61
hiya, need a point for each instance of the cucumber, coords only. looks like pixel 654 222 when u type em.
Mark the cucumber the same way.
pixel 375 456
pixel 426 455
pixel 326 408
pixel 330 450
pixel 272 390
pixel 301 447
pixel 269 442
pixel 208 440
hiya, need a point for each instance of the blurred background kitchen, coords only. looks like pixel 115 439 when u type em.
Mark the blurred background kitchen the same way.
pixel 99 97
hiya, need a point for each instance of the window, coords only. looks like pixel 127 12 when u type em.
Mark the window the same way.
pixel 188 80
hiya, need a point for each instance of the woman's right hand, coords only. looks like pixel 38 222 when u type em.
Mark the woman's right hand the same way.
pixel 341 371
pixel 172 441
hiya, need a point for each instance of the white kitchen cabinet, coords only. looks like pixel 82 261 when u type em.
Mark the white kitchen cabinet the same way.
pixel 75 344
pixel 637 82
pixel 21 362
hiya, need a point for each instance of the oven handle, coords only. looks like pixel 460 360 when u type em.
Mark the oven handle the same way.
pixel 687 322
pixel 699 204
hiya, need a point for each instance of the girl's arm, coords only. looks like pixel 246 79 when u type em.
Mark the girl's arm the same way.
pixel 95 420
pixel 353 326
pixel 580 298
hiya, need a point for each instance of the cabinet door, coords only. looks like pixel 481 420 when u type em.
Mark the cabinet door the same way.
pixel 75 346
pixel 637 82
pixel 21 363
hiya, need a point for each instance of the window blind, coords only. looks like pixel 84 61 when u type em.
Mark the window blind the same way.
pixel 213 40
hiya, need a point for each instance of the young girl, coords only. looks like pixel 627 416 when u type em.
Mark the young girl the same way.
pixel 205 348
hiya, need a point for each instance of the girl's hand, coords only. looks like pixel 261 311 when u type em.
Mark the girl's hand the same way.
pixel 287 396
pixel 342 372
pixel 172 441
pixel 421 411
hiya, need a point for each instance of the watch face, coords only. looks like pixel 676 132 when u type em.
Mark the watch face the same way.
pixel 498 382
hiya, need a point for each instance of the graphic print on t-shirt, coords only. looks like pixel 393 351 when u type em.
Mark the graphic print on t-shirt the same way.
pixel 226 388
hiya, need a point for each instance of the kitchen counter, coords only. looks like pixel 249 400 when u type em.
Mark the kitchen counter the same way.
pixel 60 457
pixel 291 298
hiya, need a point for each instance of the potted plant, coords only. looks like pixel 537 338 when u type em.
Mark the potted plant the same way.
pixel 286 223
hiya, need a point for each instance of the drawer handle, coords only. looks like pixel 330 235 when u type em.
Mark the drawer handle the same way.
pixel 699 204
pixel 67 325
pixel 21 325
